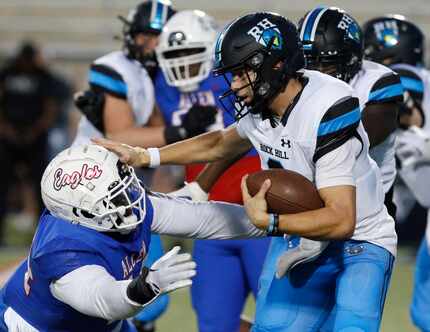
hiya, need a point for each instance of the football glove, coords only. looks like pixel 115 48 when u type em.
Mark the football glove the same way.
pixel 170 272
pixel 195 122
pixel 193 191
pixel 305 251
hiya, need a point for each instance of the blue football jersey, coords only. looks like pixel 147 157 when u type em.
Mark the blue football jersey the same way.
pixel 60 247
pixel 174 104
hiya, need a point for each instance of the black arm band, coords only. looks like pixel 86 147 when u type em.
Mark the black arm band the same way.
pixel 139 290
pixel 174 134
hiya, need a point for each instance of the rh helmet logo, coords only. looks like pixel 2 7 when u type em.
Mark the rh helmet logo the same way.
pixel 265 32
pixel 348 24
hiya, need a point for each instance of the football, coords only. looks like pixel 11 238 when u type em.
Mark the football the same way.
pixel 290 191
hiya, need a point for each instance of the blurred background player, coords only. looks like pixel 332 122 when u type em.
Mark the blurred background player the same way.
pixel 397 42
pixel 186 91
pixel 29 106
pixel 120 104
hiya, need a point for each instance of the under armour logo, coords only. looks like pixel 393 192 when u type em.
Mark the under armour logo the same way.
pixel 285 142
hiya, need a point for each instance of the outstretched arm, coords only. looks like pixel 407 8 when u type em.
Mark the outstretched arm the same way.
pixel 209 147
pixel 201 220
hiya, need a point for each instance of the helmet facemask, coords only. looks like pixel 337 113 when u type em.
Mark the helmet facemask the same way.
pixel 343 67
pixel 184 66
pixel 263 75
pixel 122 208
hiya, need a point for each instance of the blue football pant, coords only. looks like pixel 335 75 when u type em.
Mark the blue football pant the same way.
pixel 159 306
pixel 227 271
pixel 420 307
pixel 343 290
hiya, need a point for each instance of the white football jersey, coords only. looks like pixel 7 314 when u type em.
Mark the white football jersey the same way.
pixel 123 78
pixel 375 83
pixel 324 118
pixel 417 81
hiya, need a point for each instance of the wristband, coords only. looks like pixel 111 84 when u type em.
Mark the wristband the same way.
pixel 154 157
pixel 139 291
pixel 273 227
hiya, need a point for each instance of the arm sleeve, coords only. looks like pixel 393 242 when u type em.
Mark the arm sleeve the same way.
pixel 336 167
pixel 92 291
pixel 105 79
pixel 202 220
pixel 337 126
pixel 386 89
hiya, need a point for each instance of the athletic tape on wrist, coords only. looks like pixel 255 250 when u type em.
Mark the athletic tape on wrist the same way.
pixel 154 157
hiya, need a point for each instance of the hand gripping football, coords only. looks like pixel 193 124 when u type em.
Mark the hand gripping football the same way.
pixel 290 191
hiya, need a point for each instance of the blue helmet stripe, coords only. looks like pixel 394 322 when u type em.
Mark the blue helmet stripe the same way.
pixel 157 20
pixel 310 22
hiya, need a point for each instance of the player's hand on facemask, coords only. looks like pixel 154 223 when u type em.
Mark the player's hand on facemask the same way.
pixel 133 156
pixel 170 272
pixel 256 206
pixel 191 190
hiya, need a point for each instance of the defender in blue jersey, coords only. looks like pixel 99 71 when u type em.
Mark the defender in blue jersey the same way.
pixel 186 83
pixel 84 270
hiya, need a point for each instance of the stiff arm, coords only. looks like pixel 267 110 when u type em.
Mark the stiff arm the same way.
pixel 201 220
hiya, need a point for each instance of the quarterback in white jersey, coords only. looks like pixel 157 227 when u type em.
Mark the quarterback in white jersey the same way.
pixel 399 43
pixel 310 123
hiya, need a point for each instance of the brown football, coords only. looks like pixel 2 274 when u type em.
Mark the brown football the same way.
pixel 290 191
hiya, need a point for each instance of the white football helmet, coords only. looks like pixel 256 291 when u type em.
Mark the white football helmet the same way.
pixel 185 51
pixel 88 185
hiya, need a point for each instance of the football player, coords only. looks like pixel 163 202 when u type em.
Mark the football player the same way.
pixel 185 55
pixel 399 43
pixel 333 44
pixel 120 102
pixel 84 270
pixel 308 122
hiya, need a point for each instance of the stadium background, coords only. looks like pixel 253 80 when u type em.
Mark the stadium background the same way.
pixel 72 33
